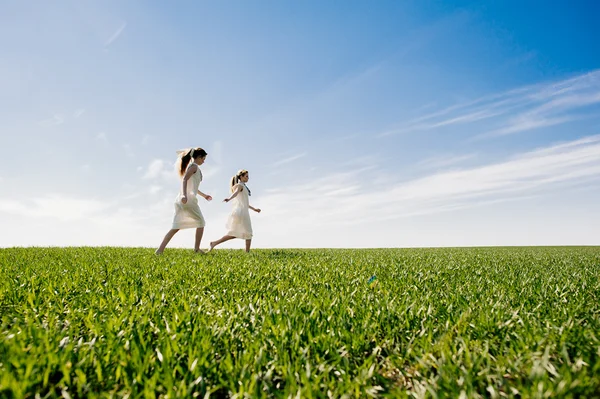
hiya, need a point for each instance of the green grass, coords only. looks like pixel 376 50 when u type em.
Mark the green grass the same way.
pixel 113 322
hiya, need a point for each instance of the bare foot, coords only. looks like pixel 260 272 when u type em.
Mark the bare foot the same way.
pixel 212 245
pixel 199 251
pixel 157 252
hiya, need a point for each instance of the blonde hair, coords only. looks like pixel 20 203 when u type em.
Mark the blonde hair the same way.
pixel 186 156
pixel 236 178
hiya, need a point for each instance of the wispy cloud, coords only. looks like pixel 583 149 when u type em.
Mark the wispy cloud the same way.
pixel 154 189
pixel 518 110
pixel 158 169
pixel 289 159
pixel 59 219
pixel 78 112
pixel 55 120
pixel 216 152
pixel 101 137
pixel 55 206
pixel 539 169
pixel 358 201
pixel 128 150
pixel 115 35
pixel 526 122
pixel 444 161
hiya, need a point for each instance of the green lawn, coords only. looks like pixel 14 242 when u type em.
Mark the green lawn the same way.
pixel 489 322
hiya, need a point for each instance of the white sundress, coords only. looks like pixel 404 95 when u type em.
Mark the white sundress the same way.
pixel 238 224
pixel 188 215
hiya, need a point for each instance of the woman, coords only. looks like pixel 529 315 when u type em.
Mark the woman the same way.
pixel 187 212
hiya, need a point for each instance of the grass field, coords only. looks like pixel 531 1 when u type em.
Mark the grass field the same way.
pixel 489 322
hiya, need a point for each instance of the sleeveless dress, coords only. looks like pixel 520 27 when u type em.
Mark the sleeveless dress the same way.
pixel 189 216
pixel 238 223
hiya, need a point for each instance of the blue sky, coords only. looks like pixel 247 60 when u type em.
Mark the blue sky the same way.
pixel 363 124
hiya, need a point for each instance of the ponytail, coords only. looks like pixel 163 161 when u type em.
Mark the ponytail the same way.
pixel 236 178
pixel 186 156
pixel 185 161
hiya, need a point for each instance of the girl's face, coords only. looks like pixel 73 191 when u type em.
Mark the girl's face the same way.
pixel 200 160
pixel 244 178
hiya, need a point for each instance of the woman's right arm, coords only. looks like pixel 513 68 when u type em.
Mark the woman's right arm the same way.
pixel 188 173
pixel 235 193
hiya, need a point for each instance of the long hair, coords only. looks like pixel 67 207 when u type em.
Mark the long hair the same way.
pixel 186 156
pixel 236 178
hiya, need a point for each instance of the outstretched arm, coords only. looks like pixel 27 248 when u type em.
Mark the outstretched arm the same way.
pixel 257 210
pixel 205 196
pixel 235 193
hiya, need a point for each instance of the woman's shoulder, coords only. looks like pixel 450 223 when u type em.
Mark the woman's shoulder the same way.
pixel 193 167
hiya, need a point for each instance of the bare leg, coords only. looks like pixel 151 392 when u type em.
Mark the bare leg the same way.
pixel 199 233
pixel 248 242
pixel 165 241
pixel 220 241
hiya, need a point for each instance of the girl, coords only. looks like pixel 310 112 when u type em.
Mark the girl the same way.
pixel 238 224
pixel 187 211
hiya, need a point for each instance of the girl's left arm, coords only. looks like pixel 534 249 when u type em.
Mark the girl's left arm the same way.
pixel 205 196
pixel 257 210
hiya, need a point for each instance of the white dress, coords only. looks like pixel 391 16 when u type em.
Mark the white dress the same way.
pixel 238 223
pixel 188 215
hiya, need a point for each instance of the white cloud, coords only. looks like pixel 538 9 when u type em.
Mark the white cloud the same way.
pixel 523 123
pixel 128 150
pixel 216 153
pixel 210 171
pixel 161 170
pixel 289 159
pixel 102 137
pixel 56 206
pixel 117 33
pixel 55 120
pixel 155 169
pixel 65 221
pixel 215 160
pixel 337 209
pixel 350 198
pixel 78 112
pixel 154 189
pixel 518 110
pixel 444 161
